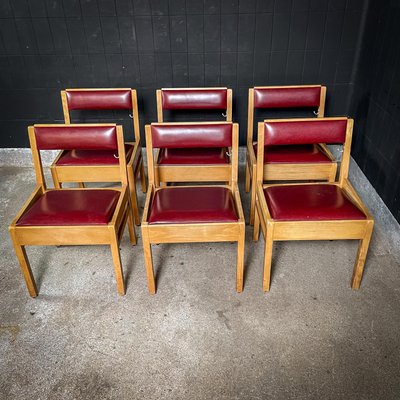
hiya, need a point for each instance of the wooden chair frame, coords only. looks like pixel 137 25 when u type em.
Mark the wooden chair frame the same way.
pixel 311 230
pixel 285 171
pixel 193 232
pixel 108 234
pixel 104 173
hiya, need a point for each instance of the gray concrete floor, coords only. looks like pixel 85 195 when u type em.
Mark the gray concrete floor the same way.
pixel 311 337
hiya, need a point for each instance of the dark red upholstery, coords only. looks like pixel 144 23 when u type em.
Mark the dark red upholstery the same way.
pixel 287 97
pixel 99 99
pixel 310 203
pixel 190 99
pixel 71 207
pixel 92 157
pixel 191 135
pixel 301 153
pixel 69 137
pixel 195 156
pixel 181 205
pixel 305 132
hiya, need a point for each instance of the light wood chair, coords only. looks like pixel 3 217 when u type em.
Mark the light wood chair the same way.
pixel 310 211
pixel 186 99
pixel 100 166
pixel 79 216
pixel 186 214
pixel 288 162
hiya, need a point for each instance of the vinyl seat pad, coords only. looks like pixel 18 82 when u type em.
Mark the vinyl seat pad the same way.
pixel 71 207
pixel 310 203
pixel 181 205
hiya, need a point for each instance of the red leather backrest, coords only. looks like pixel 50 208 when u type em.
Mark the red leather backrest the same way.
pixel 194 99
pixel 70 137
pixel 290 97
pixel 305 131
pixel 191 135
pixel 99 99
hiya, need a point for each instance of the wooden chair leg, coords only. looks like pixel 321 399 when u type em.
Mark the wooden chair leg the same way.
pixel 256 229
pixel 26 269
pixel 248 180
pixel 361 257
pixel 253 196
pixel 156 177
pixel 119 275
pixel 240 261
pixel 143 177
pixel 332 176
pixel 132 191
pixel 131 225
pixel 57 183
pixel 268 257
pixel 148 259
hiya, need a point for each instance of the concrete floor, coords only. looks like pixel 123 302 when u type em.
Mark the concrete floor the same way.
pixel 311 337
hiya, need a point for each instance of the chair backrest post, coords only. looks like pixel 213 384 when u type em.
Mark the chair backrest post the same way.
pixel 64 101
pixel 37 161
pixel 229 106
pixel 260 153
pixel 122 155
pixel 321 108
pixel 149 153
pixel 135 116
pixel 345 163
pixel 250 118
pixel 159 106
pixel 235 154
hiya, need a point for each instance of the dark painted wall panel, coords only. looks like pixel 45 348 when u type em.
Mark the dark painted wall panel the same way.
pixel 376 103
pixel 48 45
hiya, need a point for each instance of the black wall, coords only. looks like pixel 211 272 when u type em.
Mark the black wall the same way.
pixel 48 45
pixel 376 102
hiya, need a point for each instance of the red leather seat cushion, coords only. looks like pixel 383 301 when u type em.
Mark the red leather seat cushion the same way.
pixel 72 207
pixel 301 153
pixel 310 203
pixel 209 155
pixel 181 205
pixel 92 157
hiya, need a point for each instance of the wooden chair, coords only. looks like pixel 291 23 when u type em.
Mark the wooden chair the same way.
pixel 310 211
pixel 101 166
pixel 288 162
pixel 78 216
pixel 206 99
pixel 185 214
